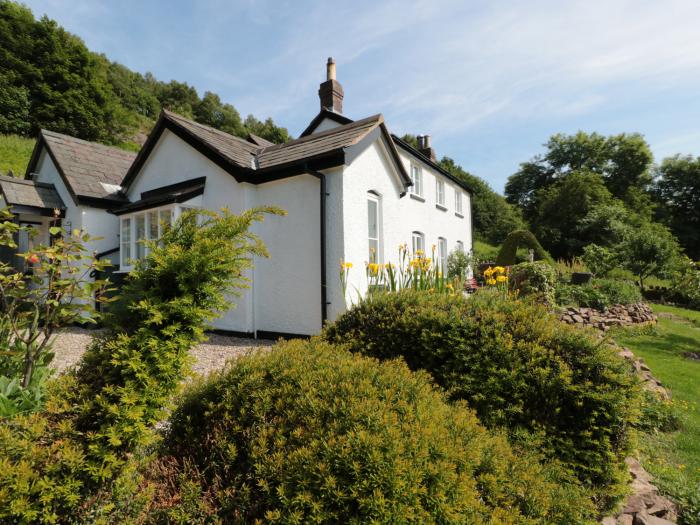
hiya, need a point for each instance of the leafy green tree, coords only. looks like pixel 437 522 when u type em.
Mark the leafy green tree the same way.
pixel 14 119
pixel 677 190
pixel 623 161
pixel 267 130
pixel 493 217
pixel 649 250
pixel 561 209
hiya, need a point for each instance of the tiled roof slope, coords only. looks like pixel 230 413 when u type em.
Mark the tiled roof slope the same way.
pixel 235 149
pixel 20 192
pixel 88 165
pixel 317 144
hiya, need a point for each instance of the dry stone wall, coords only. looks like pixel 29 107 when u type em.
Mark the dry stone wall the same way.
pixel 617 315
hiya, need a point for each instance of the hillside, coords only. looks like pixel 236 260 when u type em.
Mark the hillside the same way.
pixel 50 79
pixel 14 154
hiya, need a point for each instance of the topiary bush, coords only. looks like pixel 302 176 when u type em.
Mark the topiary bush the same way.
pixel 96 417
pixel 599 294
pixel 309 433
pixel 517 366
pixel 537 279
pixel 507 256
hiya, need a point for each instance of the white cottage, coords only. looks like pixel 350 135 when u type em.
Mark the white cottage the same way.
pixel 351 190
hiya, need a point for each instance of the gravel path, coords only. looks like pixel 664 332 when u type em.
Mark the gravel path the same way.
pixel 70 344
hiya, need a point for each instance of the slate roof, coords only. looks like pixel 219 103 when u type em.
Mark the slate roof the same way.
pixel 179 192
pixel 256 160
pixel 88 169
pixel 20 192
pixel 237 150
pixel 314 145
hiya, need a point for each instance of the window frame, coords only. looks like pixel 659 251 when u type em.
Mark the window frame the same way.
pixel 458 202
pixel 440 199
pixel 442 255
pixel 374 197
pixel 417 179
pixel 138 251
pixel 416 235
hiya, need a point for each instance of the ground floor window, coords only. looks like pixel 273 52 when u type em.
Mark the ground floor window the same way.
pixel 136 228
pixel 442 255
pixel 374 228
pixel 418 243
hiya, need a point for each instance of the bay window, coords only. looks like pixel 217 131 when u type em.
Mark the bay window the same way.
pixel 137 228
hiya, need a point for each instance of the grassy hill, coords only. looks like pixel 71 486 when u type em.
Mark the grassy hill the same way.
pixel 14 154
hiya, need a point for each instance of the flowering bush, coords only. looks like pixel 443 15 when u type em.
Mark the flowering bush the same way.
pixel 537 279
pixel 497 276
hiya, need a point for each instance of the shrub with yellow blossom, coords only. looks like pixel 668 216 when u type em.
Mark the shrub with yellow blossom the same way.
pixel 497 276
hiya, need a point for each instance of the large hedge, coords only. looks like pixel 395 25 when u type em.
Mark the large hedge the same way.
pixel 520 239
pixel 309 433
pixel 517 366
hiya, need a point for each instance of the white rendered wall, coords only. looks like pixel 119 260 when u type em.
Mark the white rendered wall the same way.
pixel 371 171
pixel 288 283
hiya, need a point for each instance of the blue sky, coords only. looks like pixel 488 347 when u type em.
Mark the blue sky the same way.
pixel 490 80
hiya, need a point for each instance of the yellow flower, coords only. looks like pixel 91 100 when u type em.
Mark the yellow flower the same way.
pixel 449 286
pixel 389 266
pixel 501 278
pixel 373 268
pixel 491 281
pixel 415 263
pixel 420 252
pixel 499 269
pixel 488 272
pixel 348 265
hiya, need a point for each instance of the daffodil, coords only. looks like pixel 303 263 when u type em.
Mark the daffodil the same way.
pixel 501 278
pixel 491 281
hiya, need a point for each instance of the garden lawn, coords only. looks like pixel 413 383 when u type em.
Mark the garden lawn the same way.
pixel 14 154
pixel 673 458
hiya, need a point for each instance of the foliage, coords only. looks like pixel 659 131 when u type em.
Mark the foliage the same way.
pixel 309 433
pixel 484 252
pixel 517 239
pixel 51 80
pixel 686 283
pixel 673 458
pixel 14 154
pixel 649 250
pixel 536 279
pixel 599 294
pixel 55 291
pixel 493 217
pixel 97 416
pixel 517 367
pixel 600 260
pixel 458 264
pixel 562 208
pixel 622 161
pixel 677 191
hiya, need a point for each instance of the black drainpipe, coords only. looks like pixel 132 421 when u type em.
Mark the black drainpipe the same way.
pixel 324 285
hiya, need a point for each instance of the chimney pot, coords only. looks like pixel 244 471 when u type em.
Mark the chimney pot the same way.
pixel 330 69
pixel 425 148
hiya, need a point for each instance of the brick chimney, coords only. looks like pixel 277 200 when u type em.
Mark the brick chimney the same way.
pixel 331 92
pixel 425 148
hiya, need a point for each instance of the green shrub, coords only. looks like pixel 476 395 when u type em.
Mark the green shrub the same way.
pixel 599 294
pixel 507 256
pixel 98 416
pixel 537 279
pixel 517 366
pixel 309 433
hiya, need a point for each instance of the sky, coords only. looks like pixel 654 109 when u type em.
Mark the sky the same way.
pixel 489 80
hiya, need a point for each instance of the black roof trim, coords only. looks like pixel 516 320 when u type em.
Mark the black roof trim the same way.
pixel 323 114
pixel 163 123
pixel 171 194
pixel 413 151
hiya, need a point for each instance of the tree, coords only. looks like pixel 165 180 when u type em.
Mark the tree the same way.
pixel 623 161
pixel 677 191
pixel 493 217
pixel 648 250
pixel 561 209
pixel 520 239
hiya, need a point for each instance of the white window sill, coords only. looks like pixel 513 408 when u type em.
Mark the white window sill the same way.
pixel 441 207
pixel 459 215
pixel 417 197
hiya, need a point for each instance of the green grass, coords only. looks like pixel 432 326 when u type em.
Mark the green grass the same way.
pixel 674 457
pixel 14 154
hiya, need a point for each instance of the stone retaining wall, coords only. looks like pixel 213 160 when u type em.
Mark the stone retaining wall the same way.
pixel 617 315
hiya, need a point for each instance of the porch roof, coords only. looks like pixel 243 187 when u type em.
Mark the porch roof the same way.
pixel 173 193
pixel 28 196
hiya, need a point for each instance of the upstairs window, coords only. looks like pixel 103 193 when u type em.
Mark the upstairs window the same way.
pixel 442 255
pixel 458 201
pixel 374 228
pixel 417 179
pixel 460 246
pixel 418 243
pixel 440 192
